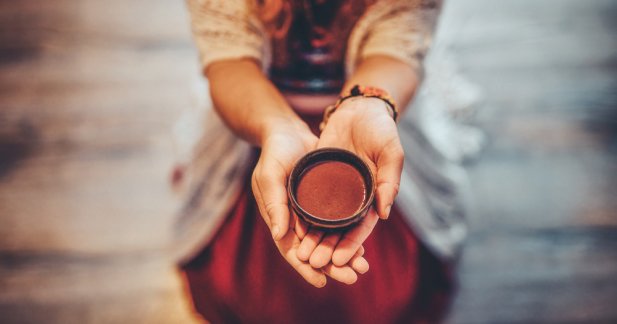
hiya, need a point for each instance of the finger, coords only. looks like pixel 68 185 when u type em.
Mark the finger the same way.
pixel 313 276
pixel 344 274
pixel 259 200
pixel 389 168
pixel 352 240
pixel 359 264
pixel 360 251
pixel 301 228
pixel 287 247
pixel 309 243
pixel 322 255
pixel 270 182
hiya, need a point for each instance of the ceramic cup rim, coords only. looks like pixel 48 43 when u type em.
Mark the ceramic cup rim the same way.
pixel 331 154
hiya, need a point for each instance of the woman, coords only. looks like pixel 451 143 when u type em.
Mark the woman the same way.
pixel 272 67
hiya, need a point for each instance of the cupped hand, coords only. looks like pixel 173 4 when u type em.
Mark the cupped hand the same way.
pixel 363 126
pixel 283 145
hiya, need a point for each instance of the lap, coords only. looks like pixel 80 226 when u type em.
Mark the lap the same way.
pixel 241 277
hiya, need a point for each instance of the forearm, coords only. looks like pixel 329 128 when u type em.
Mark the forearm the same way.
pixel 396 77
pixel 247 101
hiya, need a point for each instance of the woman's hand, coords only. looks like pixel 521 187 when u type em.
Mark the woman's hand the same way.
pixel 284 143
pixel 363 126
pixel 249 103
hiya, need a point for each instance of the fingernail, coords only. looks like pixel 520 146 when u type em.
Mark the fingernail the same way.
pixel 275 232
pixel 388 208
pixel 321 283
pixel 362 266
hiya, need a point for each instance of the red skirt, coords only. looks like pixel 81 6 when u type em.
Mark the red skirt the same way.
pixel 240 277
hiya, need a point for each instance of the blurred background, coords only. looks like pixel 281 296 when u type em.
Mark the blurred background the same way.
pixel 89 91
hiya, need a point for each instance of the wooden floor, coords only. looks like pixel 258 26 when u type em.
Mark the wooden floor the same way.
pixel 89 90
pixel 543 244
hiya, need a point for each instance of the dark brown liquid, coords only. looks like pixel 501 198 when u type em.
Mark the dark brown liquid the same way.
pixel 331 190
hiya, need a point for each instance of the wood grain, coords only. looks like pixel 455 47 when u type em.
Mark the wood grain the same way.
pixel 544 232
pixel 88 94
pixel 89 91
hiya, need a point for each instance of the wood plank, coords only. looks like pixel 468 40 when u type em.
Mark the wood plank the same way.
pixel 542 241
pixel 541 276
pixel 89 91
pixel 88 96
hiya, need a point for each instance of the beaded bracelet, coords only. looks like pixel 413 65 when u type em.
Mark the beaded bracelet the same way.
pixel 361 91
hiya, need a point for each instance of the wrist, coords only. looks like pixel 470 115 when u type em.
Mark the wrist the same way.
pixel 282 126
pixel 357 93
pixel 362 110
pixel 375 106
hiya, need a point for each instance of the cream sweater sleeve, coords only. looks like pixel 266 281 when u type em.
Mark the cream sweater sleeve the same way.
pixel 227 29
pixel 401 29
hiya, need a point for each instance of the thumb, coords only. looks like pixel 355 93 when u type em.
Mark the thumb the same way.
pixel 269 186
pixel 389 168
